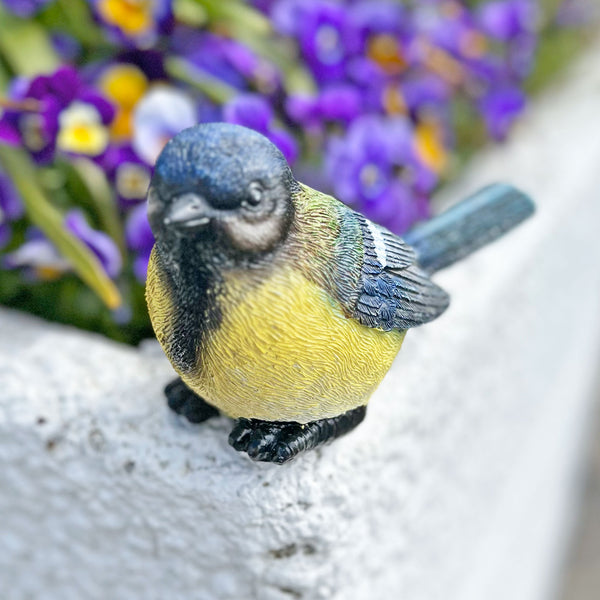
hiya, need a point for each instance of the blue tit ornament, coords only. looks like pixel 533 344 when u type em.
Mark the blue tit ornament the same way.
pixel 279 306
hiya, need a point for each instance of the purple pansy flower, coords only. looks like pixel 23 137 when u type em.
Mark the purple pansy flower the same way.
pixel 376 169
pixel 373 17
pixel 513 22
pixel 9 134
pixel 24 8
pixel 140 239
pixel 325 32
pixel 210 53
pixel 255 112
pixel 149 61
pixel 67 46
pixel 11 207
pixel 443 27
pixel 226 59
pixel 37 257
pixel 339 102
pixel 264 5
pixel 520 56
pixel 451 44
pixel 97 241
pixel 32 124
pixel 499 109
pixel 507 19
pixel 134 22
pixel 385 32
pixel 59 111
pixel 128 174
pixel 41 259
pixel 335 103
pixel 426 91
pixel 379 119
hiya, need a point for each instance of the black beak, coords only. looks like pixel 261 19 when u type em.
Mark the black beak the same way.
pixel 188 211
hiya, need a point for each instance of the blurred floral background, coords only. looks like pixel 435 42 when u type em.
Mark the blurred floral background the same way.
pixel 376 101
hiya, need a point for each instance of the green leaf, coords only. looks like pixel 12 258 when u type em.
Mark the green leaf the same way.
pixel 238 14
pixel 89 187
pixel 556 50
pixel 4 79
pixel 42 213
pixel 190 13
pixel 26 47
pixel 76 16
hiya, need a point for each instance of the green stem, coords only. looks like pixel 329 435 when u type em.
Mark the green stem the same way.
pixel 19 168
pixel 76 15
pixel 253 22
pixel 98 195
pixel 25 46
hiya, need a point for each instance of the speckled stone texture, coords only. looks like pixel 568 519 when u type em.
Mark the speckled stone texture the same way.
pixel 459 485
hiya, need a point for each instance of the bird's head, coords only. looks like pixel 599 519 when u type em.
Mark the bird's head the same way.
pixel 222 188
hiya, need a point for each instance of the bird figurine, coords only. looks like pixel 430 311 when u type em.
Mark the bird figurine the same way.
pixel 277 305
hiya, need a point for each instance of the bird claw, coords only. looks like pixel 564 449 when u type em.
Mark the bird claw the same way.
pixel 185 402
pixel 280 441
pixel 240 435
pixel 265 441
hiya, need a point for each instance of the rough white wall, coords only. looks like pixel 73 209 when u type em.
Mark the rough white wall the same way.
pixel 459 485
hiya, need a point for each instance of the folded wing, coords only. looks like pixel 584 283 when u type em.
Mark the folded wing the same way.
pixel 393 292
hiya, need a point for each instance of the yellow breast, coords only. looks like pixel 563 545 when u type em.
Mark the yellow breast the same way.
pixel 286 352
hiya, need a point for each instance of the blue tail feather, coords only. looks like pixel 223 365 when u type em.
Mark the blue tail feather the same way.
pixel 469 225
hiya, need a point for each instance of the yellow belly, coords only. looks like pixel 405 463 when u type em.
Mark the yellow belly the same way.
pixel 287 353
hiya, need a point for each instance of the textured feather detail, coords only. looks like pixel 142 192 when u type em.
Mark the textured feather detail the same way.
pixel 469 225
pixel 394 293
pixel 284 352
pixel 390 250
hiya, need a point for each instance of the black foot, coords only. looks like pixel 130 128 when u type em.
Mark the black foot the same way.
pixel 185 402
pixel 278 442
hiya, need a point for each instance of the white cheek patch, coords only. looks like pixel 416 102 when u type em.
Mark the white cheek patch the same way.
pixel 254 236
pixel 379 243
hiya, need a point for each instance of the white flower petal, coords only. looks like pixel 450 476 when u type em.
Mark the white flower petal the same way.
pixel 161 114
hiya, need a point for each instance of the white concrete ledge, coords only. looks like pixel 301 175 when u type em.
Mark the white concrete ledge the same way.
pixel 459 485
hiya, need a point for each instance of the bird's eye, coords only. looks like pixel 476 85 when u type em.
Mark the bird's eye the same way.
pixel 255 193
